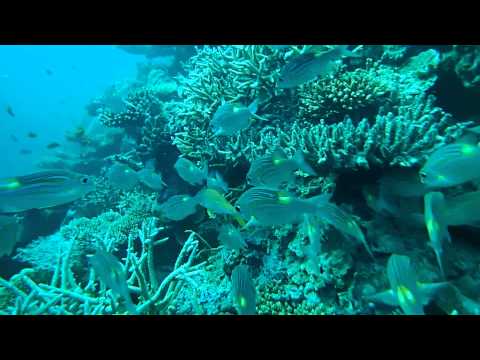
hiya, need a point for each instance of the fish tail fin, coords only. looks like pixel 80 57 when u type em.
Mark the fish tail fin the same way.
pixel 344 51
pixel 363 239
pixel 302 164
pixel 253 107
pixel 438 256
pixel 205 171
pixel 251 222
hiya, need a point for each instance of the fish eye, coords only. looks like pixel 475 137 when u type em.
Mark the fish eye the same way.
pixel 84 180
pixel 237 207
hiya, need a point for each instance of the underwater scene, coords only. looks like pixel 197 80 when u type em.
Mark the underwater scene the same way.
pixel 240 180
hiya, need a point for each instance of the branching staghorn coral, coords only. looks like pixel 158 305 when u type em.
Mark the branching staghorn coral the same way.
pixel 298 117
pixel 234 74
pixel 403 136
pixel 62 293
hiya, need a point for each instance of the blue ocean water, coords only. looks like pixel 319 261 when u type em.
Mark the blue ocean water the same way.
pixel 48 87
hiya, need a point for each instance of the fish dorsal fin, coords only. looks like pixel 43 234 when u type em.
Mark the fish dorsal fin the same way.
pixel 278 156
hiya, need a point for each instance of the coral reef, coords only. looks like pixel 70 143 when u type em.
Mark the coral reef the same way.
pixel 81 235
pixel 374 112
pixel 464 60
pixel 143 119
pixel 403 137
pixel 233 74
pixel 344 93
pixel 63 293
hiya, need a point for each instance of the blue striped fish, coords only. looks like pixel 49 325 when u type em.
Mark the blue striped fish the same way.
pixel 42 190
pixel 243 290
pixel 309 65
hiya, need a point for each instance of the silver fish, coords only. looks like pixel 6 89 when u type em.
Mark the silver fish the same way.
pixel 149 177
pixel 243 290
pixel 229 119
pixel 343 222
pixel 403 282
pixel 190 172
pixel 405 290
pixel 270 207
pixel 309 65
pixel 275 169
pixel 463 209
pixel 122 176
pixel 436 223
pixel 402 183
pixel 216 181
pixel 42 190
pixel 111 272
pixel 231 238
pixel 178 207
pixel 452 165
